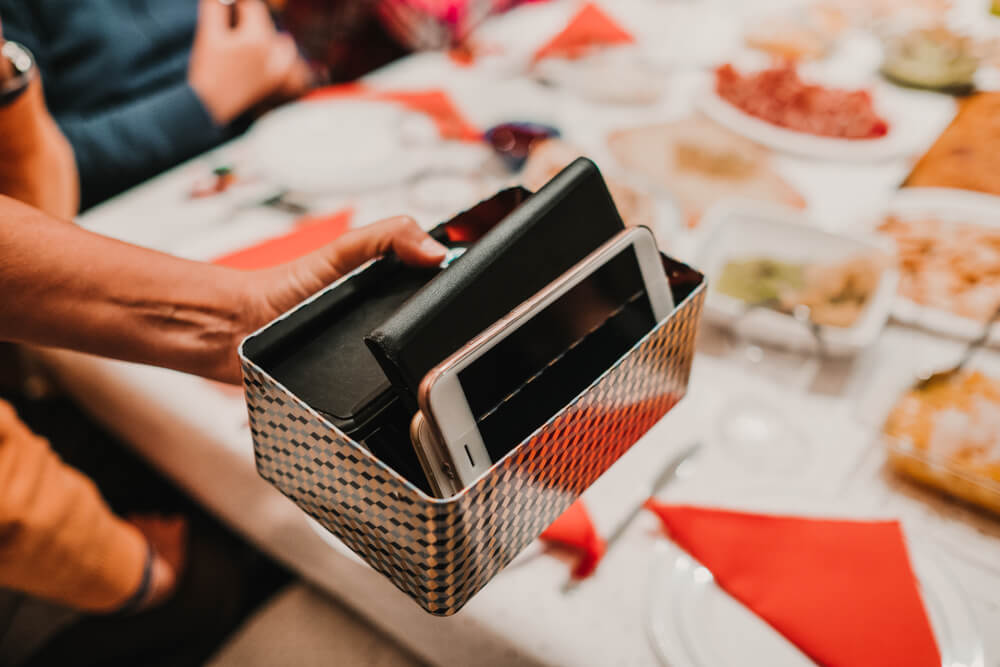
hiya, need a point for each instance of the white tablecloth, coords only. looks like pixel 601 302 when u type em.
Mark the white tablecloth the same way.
pixel 196 431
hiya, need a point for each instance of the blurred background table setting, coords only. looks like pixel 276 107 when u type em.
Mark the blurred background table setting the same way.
pixel 830 164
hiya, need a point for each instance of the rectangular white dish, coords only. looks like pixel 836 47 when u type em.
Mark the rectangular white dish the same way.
pixel 742 230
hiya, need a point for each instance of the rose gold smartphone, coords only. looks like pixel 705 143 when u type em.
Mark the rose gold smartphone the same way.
pixel 505 383
pixel 434 462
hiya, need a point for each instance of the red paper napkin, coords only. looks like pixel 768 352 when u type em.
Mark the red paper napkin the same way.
pixel 575 530
pixel 844 592
pixel 434 103
pixel 590 28
pixel 311 233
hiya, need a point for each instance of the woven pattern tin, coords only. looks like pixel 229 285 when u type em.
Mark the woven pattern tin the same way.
pixel 441 552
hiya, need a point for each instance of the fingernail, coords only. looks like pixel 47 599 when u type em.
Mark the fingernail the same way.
pixel 432 248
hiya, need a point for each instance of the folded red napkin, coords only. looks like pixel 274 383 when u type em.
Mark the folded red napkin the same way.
pixel 310 234
pixel 574 530
pixel 590 28
pixel 434 103
pixel 844 592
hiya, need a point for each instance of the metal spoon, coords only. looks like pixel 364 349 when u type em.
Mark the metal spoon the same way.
pixel 282 201
pixel 234 14
pixel 801 314
pixel 942 376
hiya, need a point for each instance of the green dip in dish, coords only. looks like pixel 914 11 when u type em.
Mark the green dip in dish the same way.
pixel 935 59
pixel 760 280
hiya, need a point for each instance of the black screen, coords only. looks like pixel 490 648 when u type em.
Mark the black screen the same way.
pixel 541 366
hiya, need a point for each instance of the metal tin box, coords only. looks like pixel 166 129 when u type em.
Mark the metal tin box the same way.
pixel 440 551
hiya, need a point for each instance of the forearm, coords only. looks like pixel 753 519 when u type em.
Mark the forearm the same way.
pixel 63 286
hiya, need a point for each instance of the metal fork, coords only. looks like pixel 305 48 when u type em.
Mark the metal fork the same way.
pixel 666 475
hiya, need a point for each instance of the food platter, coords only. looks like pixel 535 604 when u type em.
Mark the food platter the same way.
pixel 907 133
pixel 948 206
pixel 742 229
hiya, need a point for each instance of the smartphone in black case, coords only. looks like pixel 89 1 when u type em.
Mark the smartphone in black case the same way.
pixel 539 241
pixel 358 353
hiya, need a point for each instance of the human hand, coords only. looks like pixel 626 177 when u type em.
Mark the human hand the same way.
pixel 38 165
pixel 235 67
pixel 271 292
pixel 298 82
pixel 168 538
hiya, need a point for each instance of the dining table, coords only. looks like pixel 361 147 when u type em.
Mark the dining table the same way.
pixel 828 410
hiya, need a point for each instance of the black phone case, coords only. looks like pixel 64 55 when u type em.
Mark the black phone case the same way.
pixel 542 239
pixel 319 352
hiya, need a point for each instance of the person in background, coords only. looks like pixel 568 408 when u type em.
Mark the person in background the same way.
pixel 138 86
pixel 343 39
pixel 58 539
pixel 90 558
pixel 79 584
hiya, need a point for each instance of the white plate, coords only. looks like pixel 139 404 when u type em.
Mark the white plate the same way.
pixel 948 205
pixel 339 145
pixel 611 75
pixel 905 134
pixel 692 621
pixel 681 34
pixel 737 230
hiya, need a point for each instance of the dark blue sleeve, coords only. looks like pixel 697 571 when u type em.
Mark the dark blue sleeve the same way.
pixel 121 145
pixel 127 144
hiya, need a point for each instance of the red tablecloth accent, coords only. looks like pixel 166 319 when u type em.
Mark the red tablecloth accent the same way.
pixel 310 234
pixel 575 530
pixel 590 28
pixel 844 592
pixel 434 103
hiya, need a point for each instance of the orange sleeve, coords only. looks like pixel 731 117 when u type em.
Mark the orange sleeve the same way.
pixel 58 538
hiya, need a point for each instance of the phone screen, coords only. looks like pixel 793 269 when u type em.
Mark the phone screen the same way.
pixel 536 370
